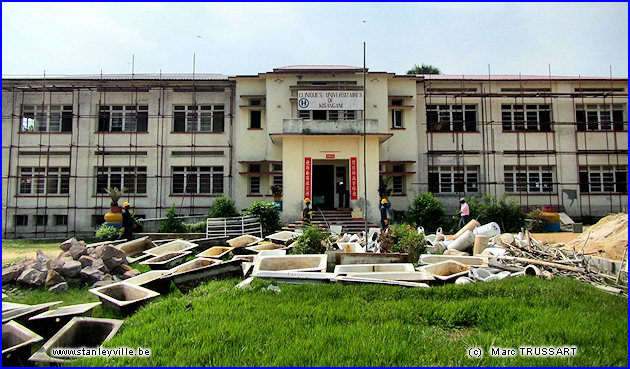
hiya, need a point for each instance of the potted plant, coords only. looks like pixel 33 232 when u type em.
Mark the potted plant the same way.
pixel 114 216
pixel 385 187
pixel 277 192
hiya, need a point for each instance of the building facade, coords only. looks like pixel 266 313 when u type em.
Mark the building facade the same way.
pixel 184 140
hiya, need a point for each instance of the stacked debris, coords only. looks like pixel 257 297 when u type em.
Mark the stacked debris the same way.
pixel 77 264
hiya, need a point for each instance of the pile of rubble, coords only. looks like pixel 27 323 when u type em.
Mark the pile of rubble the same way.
pixel 77 264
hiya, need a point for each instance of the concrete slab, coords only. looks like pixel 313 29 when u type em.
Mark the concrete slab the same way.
pixel 446 270
pixel 155 280
pixel 173 246
pixel 396 276
pixel 50 322
pixel 372 268
pixel 216 252
pixel 347 279
pixel 123 297
pixel 370 258
pixel 284 237
pixel 191 274
pixel 6 306
pixel 283 276
pixel 266 246
pixel 166 261
pixel 17 341
pixel 296 263
pixel 79 332
pixel 244 240
pixel 21 315
pixel 466 260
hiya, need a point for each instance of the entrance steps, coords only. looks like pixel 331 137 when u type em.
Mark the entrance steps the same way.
pixel 333 217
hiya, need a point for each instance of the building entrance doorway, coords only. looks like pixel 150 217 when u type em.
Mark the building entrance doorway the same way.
pixel 330 185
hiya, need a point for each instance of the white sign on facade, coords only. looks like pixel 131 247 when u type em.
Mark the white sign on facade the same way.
pixel 330 100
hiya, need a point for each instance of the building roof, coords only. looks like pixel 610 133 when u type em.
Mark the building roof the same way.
pixel 318 68
pixel 126 77
pixel 510 77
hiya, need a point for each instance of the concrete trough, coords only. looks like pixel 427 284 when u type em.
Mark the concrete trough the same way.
pixel 446 270
pixel 396 276
pixel 6 306
pixel 466 260
pixel 50 322
pixel 206 243
pixel 216 252
pixel 294 263
pixel 17 343
pixel 370 258
pixel 374 268
pixel 265 246
pixel 21 315
pixel 191 274
pixel 351 247
pixel 135 249
pixel 283 276
pixel 123 297
pixel 284 237
pixel 243 241
pixel 155 280
pixel 79 332
pixel 166 261
pixel 172 246
pixel 348 279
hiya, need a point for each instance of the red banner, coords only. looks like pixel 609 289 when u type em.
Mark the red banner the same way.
pixel 353 179
pixel 330 156
pixel 307 178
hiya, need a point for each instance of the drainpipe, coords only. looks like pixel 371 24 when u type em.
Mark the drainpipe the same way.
pixel 231 142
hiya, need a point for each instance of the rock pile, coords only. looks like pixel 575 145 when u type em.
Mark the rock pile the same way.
pixel 76 264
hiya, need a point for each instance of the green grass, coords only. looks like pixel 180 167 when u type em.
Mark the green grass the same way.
pixel 370 325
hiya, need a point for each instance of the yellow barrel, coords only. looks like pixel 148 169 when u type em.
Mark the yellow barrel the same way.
pixel 113 217
pixel 550 217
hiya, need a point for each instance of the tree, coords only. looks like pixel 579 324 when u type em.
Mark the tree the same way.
pixel 424 69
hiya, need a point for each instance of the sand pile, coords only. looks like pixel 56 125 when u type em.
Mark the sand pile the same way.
pixel 609 237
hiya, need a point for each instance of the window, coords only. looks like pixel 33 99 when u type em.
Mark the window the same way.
pixel 255 119
pixel 60 220
pixel 40 180
pixel 398 184
pixel 118 118
pixel 132 179
pixel 327 114
pixel 600 179
pixel 41 220
pixel 397 118
pixel 598 117
pixel 198 118
pixel 42 118
pixel 452 118
pixel 97 220
pixel 254 185
pixel 254 168
pixel 536 118
pixel 198 180
pixel 453 179
pixel 20 220
pixel 532 179
pixel 277 179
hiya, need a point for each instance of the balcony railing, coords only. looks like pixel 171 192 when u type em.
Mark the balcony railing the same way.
pixel 336 127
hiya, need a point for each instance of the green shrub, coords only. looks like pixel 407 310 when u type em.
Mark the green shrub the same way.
pixel 137 224
pixel 267 213
pixel 536 225
pixel 312 241
pixel 426 211
pixel 199 227
pixel 170 224
pixel 108 233
pixel 403 238
pixel 223 207
pixel 507 214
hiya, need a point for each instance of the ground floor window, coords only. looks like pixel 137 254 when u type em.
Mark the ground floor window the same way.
pixel 453 179
pixel 197 180
pixel 602 178
pixel 61 220
pixel 529 179
pixel 41 220
pixel 21 220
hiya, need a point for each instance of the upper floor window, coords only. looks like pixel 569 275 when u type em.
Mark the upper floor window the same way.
pixel 132 179
pixel 119 118
pixel 198 180
pixel 531 117
pixel 452 118
pixel 599 117
pixel 397 118
pixel 46 118
pixel 600 179
pixel 199 118
pixel 530 179
pixel 453 179
pixel 255 120
pixel 40 180
pixel 327 114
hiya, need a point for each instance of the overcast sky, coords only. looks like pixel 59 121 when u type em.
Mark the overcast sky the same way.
pixel 248 38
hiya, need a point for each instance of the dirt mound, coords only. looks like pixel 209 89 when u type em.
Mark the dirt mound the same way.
pixel 609 237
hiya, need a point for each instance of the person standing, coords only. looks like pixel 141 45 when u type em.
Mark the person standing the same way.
pixel 127 223
pixel 464 212
pixel 306 213
pixel 383 210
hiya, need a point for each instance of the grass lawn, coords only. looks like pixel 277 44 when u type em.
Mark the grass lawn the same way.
pixel 368 325
pixel 23 248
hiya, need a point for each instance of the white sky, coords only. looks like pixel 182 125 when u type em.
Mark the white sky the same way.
pixel 248 38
